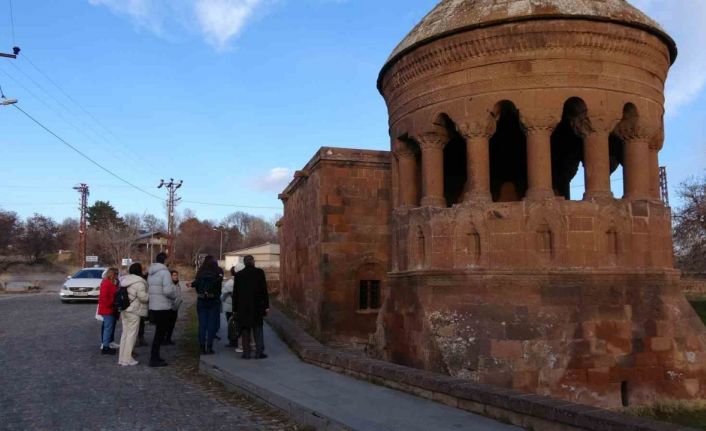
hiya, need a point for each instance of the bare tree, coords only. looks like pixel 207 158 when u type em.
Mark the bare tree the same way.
pixel 38 237
pixel 690 226
pixel 118 238
pixel 150 223
pixel 67 239
pixel 196 237
pixel 9 228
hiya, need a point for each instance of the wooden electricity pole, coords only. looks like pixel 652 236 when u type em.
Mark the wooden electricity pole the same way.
pixel 83 207
pixel 171 187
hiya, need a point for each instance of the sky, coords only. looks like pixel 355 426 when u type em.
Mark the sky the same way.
pixel 231 96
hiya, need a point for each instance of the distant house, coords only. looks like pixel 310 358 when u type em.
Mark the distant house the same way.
pixel 266 256
pixel 148 244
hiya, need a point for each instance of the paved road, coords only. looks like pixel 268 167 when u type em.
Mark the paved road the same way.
pixel 52 377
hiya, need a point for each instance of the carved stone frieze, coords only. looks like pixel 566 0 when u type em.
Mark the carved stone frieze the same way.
pixel 440 56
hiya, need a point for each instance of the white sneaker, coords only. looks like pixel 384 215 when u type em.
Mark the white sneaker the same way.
pixel 101 347
pixel 238 350
pixel 132 363
pixel 114 345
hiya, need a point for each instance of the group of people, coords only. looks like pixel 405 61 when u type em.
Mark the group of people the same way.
pixel 154 294
pixel 245 300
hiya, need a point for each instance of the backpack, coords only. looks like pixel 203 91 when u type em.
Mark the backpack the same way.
pixel 122 299
pixel 208 288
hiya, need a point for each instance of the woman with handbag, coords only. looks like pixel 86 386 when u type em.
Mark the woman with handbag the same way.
pixel 139 298
pixel 106 298
pixel 208 290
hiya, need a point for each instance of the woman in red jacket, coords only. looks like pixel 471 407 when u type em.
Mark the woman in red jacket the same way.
pixel 109 287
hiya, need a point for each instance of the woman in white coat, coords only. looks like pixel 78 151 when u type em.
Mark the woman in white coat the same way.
pixel 139 298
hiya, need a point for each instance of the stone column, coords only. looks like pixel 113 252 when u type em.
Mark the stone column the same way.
pixel 407 177
pixel 636 156
pixel 432 145
pixel 477 136
pixel 596 155
pixel 539 156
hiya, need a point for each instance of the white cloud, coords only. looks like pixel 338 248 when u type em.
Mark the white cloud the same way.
pixel 684 21
pixel 275 180
pixel 144 13
pixel 219 21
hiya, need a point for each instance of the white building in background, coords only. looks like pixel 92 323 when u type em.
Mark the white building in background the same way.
pixel 266 256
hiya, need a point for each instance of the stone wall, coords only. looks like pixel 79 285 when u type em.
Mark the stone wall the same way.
pixel 334 233
pixel 602 338
pixel 694 285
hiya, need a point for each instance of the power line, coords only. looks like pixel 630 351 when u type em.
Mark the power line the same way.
pixel 107 144
pixel 115 138
pixel 12 23
pixel 214 204
pixel 62 140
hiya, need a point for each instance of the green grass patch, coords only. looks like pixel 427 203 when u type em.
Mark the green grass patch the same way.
pixel 700 307
pixel 686 413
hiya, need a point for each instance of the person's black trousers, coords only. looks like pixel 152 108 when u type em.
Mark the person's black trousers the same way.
pixel 161 320
pixel 173 314
pixel 259 339
pixel 141 331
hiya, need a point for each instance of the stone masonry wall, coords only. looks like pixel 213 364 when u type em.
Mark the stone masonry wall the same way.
pixel 600 339
pixel 338 210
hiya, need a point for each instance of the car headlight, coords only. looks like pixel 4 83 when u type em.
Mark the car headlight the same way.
pixel 97 289
pixel 64 287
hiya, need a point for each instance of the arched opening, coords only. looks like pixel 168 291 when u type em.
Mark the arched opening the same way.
pixel 508 155
pixel 617 149
pixel 567 146
pixel 455 170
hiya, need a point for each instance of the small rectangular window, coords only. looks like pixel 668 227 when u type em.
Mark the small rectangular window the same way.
pixel 369 295
pixel 363 295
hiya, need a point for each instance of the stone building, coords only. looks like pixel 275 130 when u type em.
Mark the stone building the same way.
pixel 495 271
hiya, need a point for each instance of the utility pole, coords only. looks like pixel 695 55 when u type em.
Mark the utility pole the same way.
pixel 83 207
pixel 663 185
pixel 171 187
pixel 220 229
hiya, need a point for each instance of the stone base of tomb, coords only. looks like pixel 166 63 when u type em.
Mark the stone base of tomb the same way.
pixel 600 337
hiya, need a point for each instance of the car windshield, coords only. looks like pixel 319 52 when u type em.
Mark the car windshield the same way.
pixel 89 273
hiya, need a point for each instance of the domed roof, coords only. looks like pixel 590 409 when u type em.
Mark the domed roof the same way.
pixel 453 16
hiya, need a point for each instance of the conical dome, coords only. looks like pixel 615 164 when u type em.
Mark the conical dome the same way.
pixel 453 16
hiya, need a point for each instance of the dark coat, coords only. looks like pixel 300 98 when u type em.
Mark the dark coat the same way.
pixel 250 298
pixel 207 281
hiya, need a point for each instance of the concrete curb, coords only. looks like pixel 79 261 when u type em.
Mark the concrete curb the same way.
pixel 295 411
pixel 520 409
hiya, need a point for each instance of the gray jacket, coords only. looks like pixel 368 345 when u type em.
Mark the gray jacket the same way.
pixel 162 289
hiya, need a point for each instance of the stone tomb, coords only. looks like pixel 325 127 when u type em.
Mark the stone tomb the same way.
pixel 487 265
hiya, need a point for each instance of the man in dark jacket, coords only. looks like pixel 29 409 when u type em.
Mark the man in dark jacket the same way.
pixel 250 304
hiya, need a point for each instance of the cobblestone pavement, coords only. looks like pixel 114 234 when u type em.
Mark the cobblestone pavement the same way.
pixel 53 377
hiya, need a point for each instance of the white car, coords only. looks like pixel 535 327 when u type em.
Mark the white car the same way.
pixel 82 286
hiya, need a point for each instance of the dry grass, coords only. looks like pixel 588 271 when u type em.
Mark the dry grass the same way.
pixel 687 413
